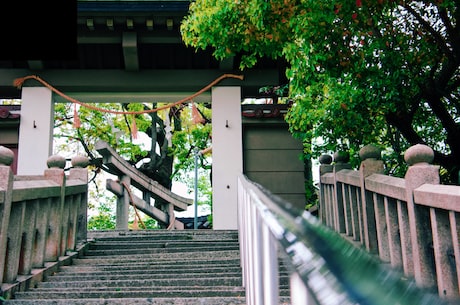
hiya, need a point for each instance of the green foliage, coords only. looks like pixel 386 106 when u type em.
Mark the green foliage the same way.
pixel 360 71
pixel 311 194
pixel 116 129
pixel 232 27
pixel 204 186
pixel 97 125
pixel 105 217
pixel 192 136
pixel 150 223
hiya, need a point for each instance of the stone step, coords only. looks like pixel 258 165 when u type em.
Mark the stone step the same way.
pixel 105 296
pixel 159 238
pixel 129 293
pixel 101 282
pixel 162 258
pixel 111 280
pixel 148 243
pixel 240 300
pixel 136 301
pixel 150 267
pixel 143 270
pixel 164 234
pixel 123 250
pixel 115 276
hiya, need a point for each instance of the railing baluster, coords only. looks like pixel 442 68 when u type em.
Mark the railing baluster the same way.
pixel 6 195
pixel 381 227
pixel 29 237
pixel 455 232
pixel 41 234
pixel 53 234
pixel 252 252
pixel 394 242
pixel 443 253
pixel 270 267
pixel 259 255
pixel 64 223
pixel 404 235
pixel 356 215
pixel 14 245
pixel 347 218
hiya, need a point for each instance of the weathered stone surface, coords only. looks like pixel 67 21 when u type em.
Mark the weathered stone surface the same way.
pixel 56 161
pixel 370 152
pixel 341 156
pixel 419 153
pixel 80 161
pixel 325 159
pixel 159 267
pixel 6 156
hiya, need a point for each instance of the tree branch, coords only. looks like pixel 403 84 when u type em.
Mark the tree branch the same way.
pixel 436 36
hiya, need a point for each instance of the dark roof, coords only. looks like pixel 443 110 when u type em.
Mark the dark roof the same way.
pixel 9 114
pixel 201 221
pixel 126 37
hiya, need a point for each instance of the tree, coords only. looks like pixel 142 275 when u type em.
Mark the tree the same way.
pixel 174 133
pixel 366 71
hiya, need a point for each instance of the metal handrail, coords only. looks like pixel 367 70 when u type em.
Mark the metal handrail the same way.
pixel 324 268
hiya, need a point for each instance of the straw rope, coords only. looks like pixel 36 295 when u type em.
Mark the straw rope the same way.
pixel 20 81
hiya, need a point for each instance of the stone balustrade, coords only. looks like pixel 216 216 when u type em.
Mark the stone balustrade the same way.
pixel 43 220
pixel 412 223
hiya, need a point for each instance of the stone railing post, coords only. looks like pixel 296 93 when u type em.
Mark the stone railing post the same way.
pixel 55 173
pixel 79 171
pixel 341 159
pixel 420 172
pixel 324 168
pixel 6 185
pixel 370 164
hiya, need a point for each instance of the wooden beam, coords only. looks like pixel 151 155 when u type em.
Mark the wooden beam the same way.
pixel 116 188
pixel 129 46
pixel 114 82
pixel 119 166
pixel 35 64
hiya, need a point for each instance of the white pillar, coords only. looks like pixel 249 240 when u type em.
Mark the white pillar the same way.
pixel 227 155
pixel 35 130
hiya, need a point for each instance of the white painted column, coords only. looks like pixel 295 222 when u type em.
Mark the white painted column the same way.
pixel 36 130
pixel 227 155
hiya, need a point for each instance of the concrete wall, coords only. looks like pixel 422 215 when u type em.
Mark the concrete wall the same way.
pixel 226 155
pixel 35 130
pixel 272 158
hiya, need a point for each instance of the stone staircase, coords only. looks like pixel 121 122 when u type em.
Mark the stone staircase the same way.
pixel 186 267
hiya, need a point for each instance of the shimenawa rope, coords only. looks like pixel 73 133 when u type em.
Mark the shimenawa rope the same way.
pixel 20 81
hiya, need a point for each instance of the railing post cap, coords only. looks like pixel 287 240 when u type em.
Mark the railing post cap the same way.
pixel 80 161
pixel 56 161
pixel 370 151
pixel 325 159
pixel 6 156
pixel 419 153
pixel 341 156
